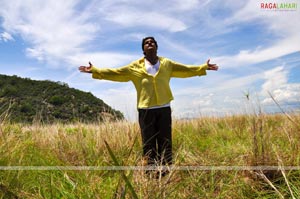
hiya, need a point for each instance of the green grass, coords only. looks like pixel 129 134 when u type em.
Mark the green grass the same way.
pixel 248 140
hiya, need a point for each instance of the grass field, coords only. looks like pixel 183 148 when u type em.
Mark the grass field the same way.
pixel 217 151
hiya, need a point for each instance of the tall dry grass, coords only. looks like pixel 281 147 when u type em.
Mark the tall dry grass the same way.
pixel 246 140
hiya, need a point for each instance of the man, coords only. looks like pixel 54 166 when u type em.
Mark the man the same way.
pixel 151 75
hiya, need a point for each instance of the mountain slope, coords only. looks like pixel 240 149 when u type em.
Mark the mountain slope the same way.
pixel 26 100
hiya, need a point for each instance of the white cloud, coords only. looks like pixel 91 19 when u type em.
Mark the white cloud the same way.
pixel 52 29
pixel 275 78
pixel 276 84
pixel 136 14
pixel 5 36
pixel 248 57
pixel 286 94
pixel 182 51
pixel 180 6
pixel 129 18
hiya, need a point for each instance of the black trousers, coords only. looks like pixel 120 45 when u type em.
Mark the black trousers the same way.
pixel 156 130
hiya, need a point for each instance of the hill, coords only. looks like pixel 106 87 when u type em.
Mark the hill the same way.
pixel 26 100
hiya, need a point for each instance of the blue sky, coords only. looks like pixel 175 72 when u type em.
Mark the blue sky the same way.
pixel 258 50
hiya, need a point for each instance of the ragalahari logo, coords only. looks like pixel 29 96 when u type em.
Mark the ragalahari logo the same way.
pixel 274 6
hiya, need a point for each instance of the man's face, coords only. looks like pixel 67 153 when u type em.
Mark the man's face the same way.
pixel 149 45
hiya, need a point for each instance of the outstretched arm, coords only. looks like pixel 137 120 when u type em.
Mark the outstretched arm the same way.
pixel 182 71
pixel 121 74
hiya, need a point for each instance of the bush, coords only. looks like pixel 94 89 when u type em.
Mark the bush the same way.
pixel 26 108
pixel 9 91
pixel 57 100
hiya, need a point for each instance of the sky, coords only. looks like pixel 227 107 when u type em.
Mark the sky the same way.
pixel 257 48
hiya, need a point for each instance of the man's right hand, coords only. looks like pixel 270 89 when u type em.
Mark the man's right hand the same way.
pixel 86 69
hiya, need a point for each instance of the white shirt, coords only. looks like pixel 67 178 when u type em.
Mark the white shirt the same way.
pixel 152 69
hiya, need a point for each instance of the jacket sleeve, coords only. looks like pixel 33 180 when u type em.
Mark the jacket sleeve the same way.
pixel 121 74
pixel 181 70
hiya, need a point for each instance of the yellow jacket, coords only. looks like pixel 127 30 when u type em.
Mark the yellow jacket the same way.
pixel 151 90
